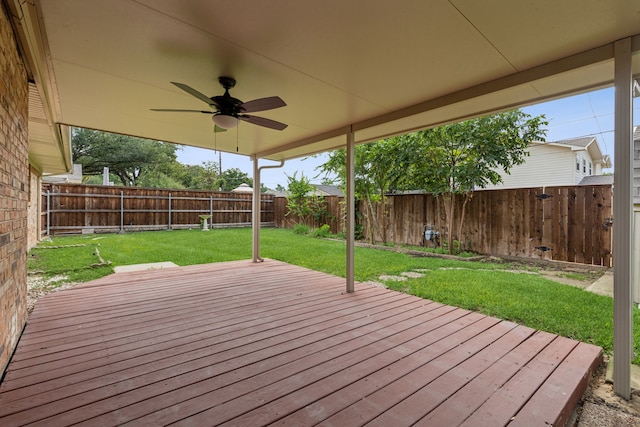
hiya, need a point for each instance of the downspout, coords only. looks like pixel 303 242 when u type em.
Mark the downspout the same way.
pixel 255 205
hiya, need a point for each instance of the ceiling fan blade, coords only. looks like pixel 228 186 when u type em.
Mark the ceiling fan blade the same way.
pixel 173 110
pixel 192 91
pixel 263 104
pixel 261 121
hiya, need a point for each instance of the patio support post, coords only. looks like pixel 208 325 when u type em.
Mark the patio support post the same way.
pixel 351 215
pixel 255 215
pixel 48 213
pixel 256 208
pixel 623 215
pixel 169 212
pixel 121 212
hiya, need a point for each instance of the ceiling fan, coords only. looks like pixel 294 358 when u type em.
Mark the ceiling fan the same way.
pixel 228 110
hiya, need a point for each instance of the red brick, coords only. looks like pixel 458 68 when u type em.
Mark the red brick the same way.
pixel 14 176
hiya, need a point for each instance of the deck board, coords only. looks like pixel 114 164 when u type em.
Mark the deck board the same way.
pixel 257 344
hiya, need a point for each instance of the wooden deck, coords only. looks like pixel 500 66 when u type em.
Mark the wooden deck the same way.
pixel 253 344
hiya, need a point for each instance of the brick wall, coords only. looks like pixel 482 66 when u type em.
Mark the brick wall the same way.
pixel 34 209
pixel 14 186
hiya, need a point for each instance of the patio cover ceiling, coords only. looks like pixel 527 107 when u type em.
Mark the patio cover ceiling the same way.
pixel 382 67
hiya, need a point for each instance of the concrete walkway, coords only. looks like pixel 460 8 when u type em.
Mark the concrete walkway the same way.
pixel 603 286
pixel 142 267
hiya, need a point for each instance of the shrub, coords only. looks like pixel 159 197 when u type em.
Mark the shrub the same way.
pixel 324 231
pixel 301 229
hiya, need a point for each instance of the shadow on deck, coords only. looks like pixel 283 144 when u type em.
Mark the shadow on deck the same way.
pixel 255 344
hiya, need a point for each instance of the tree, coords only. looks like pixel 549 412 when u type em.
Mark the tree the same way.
pixel 127 157
pixel 378 168
pixel 197 177
pixel 157 179
pixel 455 159
pixel 232 178
pixel 299 197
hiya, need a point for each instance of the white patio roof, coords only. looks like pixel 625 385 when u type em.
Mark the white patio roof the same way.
pixel 382 67
pixel 356 70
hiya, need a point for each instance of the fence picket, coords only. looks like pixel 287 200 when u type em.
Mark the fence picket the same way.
pixel 568 221
pixel 498 222
pixel 72 208
pixel 515 222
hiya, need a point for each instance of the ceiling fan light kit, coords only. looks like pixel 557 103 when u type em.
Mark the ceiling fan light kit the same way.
pixel 228 110
pixel 224 121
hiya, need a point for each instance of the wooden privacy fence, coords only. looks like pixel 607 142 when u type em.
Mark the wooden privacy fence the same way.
pixel 332 212
pixel 556 223
pixel 73 208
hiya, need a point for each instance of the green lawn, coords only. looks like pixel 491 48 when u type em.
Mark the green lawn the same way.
pixel 528 299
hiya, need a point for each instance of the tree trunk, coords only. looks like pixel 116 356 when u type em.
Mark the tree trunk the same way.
pixel 372 221
pixel 452 222
pixel 383 203
pixel 449 212
pixel 467 197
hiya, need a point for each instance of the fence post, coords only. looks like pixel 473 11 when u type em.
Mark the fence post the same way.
pixel 210 210
pixel 48 212
pixel 121 212
pixel 169 225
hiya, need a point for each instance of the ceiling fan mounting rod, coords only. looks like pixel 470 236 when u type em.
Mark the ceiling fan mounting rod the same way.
pixel 227 82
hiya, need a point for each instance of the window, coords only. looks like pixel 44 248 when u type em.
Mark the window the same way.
pixel 584 166
pixel 590 168
pixel 577 164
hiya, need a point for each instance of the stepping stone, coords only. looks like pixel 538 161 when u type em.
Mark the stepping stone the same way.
pixel 393 278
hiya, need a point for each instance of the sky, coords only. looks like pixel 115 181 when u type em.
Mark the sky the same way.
pixel 588 114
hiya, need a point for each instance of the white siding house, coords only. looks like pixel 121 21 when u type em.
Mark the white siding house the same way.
pixel 565 162
pixel 636 211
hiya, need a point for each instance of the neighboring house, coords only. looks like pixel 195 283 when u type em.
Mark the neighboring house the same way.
pixel 597 180
pixel 243 188
pixel 566 162
pixel 68 178
pixel 320 190
pixel 276 193
pixel 636 167
pixel 328 190
pixel 636 211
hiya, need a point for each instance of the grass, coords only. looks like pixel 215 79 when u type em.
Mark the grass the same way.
pixel 74 262
pixel 525 298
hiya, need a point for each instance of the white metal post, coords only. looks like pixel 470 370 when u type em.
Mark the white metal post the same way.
pixel 351 215
pixel 121 212
pixel 256 208
pixel 48 213
pixel 623 215
pixel 255 216
pixel 169 220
